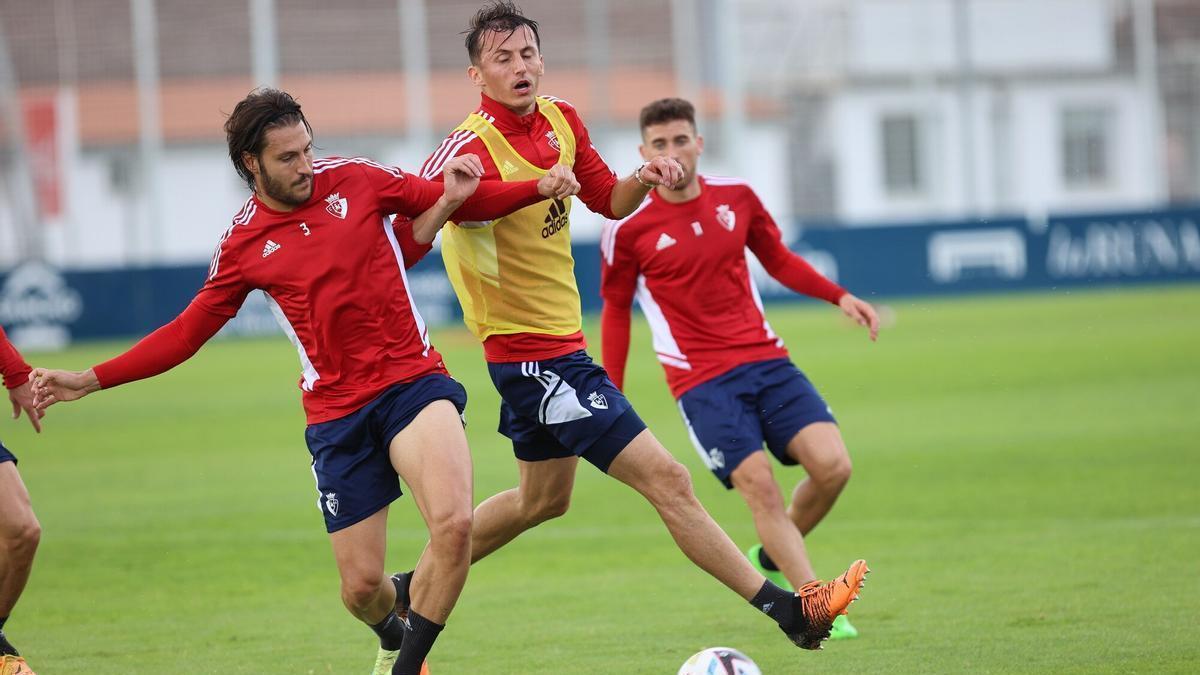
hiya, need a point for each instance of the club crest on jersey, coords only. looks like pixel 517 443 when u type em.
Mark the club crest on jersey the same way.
pixel 337 205
pixel 726 217
pixel 553 140
pixel 331 503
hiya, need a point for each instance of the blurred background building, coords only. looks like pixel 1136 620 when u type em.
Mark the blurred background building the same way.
pixel 841 113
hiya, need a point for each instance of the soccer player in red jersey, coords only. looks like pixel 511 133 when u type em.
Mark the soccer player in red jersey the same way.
pixel 19 528
pixel 682 254
pixel 315 237
pixel 514 277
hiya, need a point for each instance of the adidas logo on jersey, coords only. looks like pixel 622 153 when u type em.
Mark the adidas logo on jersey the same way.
pixel 664 241
pixel 337 205
pixel 270 248
pixel 556 220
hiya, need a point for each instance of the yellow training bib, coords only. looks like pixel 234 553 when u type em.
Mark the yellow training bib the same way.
pixel 516 274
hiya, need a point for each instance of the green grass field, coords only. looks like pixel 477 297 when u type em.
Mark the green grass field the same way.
pixel 1026 490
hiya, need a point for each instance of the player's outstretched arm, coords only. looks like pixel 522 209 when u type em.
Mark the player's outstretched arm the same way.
pixel 460 179
pixel 22 400
pixel 54 386
pixel 861 312
pixel 629 192
pixel 156 353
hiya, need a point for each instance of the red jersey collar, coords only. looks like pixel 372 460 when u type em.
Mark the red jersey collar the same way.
pixel 507 119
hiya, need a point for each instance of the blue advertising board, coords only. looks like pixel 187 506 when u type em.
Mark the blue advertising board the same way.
pixel 43 307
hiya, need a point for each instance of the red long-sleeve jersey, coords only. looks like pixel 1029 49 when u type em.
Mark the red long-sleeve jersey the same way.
pixel 12 366
pixel 686 265
pixel 334 270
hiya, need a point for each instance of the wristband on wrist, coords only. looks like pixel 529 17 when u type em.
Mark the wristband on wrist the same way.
pixel 637 175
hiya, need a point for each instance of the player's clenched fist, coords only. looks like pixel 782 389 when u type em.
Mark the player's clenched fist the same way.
pixel 558 183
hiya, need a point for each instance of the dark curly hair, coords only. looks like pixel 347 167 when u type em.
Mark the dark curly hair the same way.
pixel 246 129
pixel 501 16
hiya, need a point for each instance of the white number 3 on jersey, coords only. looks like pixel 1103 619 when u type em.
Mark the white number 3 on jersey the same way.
pixel 304 226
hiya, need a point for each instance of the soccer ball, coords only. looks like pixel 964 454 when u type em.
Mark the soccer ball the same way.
pixel 719 661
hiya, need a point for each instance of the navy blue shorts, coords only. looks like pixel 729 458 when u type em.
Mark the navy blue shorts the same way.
pixel 354 472
pixel 731 416
pixel 563 407
pixel 6 455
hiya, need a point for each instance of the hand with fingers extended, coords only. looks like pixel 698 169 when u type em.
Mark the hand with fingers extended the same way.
pixel 461 176
pixel 54 386
pixel 661 171
pixel 558 183
pixel 22 399
pixel 861 312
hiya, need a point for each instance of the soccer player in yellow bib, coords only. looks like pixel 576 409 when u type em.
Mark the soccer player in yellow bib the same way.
pixel 514 277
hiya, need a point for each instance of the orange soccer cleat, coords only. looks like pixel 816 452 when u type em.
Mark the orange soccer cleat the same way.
pixel 818 603
pixel 14 665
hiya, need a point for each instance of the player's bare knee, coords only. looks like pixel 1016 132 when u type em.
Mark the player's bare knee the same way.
pixel 28 538
pixel 761 495
pixel 21 537
pixel 834 475
pixel 452 531
pixel 359 590
pixel 756 483
pixel 548 507
pixel 673 485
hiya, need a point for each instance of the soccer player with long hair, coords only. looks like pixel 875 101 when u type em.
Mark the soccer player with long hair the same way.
pixel 315 238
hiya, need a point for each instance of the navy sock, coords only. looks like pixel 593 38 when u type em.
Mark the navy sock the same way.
pixel 775 603
pixel 390 632
pixel 765 560
pixel 419 635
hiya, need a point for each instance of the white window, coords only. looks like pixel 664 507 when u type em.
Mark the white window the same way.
pixel 903 154
pixel 1086 146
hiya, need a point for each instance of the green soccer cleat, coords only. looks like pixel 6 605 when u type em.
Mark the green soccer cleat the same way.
pixel 774 576
pixel 842 629
pixel 384 661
